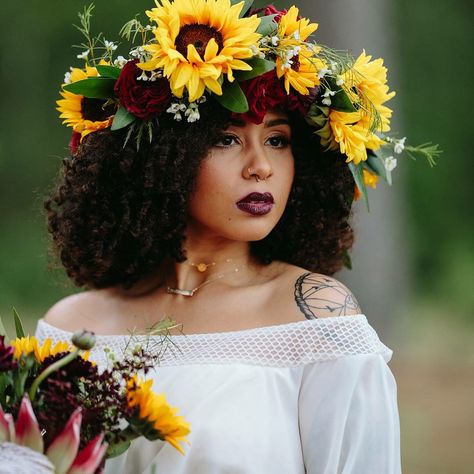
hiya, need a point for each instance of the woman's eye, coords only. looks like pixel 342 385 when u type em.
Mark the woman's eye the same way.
pixel 278 141
pixel 226 141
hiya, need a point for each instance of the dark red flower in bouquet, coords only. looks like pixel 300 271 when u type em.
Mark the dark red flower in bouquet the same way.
pixel 7 362
pixel 143 99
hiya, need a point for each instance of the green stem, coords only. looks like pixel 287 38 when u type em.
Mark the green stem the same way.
pixel 50 369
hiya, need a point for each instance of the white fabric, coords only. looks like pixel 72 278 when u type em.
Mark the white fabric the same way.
pixel 313 397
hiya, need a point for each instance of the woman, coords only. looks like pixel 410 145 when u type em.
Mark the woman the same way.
pixel 232 225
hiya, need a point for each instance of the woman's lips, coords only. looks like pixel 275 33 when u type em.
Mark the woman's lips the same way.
pixel 257 204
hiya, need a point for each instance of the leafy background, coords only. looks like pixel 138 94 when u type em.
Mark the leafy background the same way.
pixel 434 323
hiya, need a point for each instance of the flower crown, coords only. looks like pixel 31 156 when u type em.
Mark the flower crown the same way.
pixel 248 61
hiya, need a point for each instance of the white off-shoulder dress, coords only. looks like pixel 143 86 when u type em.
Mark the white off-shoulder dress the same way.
pixel 312 397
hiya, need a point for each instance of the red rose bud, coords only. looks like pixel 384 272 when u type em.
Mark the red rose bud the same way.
pixel 143 99
pixel 269 10
pixel 272 10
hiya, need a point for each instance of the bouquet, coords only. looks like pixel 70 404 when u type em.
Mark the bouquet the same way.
pixel 63 414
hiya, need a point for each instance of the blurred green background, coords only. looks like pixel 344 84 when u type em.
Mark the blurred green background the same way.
pixel 432 325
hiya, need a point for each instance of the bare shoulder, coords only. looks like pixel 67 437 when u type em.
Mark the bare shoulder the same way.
pixel 75 312
pixel 321 296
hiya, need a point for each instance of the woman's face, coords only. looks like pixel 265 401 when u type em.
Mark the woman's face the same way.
pixel 243 184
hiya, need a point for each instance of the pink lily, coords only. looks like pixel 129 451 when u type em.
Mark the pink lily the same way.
pixel 27 430
pixel 7 427
pixel 90 457
pixel 63 449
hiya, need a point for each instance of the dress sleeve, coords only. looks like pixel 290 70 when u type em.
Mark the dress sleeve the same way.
pixel 348 415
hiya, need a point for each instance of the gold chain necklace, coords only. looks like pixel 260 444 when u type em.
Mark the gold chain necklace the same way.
pixel 184 292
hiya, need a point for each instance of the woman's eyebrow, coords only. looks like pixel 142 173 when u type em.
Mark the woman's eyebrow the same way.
pixel 275 122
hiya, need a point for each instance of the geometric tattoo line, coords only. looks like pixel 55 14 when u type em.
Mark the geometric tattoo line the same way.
pixel 317 294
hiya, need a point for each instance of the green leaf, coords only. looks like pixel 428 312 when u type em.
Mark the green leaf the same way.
pixel 375 165
pixel 122 118
pixel 346 260
pixel 259 67
pixel 267 25
pixel 93 87
pixel 3 331
pixel 117 449
pixel 18 324
pixel 340 101
pixel 109 71
pixel 357 173
pixel 233 98
pixel 245 8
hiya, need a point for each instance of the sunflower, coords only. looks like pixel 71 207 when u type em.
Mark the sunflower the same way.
pixel 84 115
pixel 366 84
pixel 153 409
pixel 198 41
pixel 296 60
pixel 30 345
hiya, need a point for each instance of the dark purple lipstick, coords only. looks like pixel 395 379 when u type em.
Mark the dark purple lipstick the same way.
pixel 257 204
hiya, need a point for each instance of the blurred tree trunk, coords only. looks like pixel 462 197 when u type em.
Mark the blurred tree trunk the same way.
pixel 380 279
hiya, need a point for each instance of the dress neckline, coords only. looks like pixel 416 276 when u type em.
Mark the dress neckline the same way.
pixel 323 322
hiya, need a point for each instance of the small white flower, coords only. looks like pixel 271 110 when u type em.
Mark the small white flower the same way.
pixel 110 45
pixel 322 72
pixel 193 116
pixel 178 117
pixel 143 77
pixel 67 78
pixel 275 40
pixel 327 97
pixel 148 27
pixel 390 163
pixel 84 54
pixel 173 108
pixel 120 61
pixel 339 81
pixel 296 35
pixel 399 145
pixel 333 66
pixel 256 52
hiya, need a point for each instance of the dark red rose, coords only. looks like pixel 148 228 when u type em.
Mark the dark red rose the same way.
pixel 263 92
pixel 267 92
pixel 301 103
pixel 144 99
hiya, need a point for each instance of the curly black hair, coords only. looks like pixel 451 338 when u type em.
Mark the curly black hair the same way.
pixel 116 212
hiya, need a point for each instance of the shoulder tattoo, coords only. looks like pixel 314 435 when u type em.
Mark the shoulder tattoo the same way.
pixel 321 295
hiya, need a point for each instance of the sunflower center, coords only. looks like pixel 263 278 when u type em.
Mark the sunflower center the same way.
pixel 94 110
pixel 199 36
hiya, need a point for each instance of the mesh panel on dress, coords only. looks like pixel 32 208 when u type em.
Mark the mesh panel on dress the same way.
pixel 284 345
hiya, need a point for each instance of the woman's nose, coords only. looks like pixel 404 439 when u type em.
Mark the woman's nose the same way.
pixel 258 164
